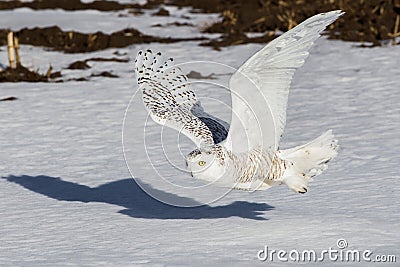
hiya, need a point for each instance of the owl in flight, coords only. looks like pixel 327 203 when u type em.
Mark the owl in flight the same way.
pixel 244 155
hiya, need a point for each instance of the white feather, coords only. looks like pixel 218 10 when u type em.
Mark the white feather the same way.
pixel 260 87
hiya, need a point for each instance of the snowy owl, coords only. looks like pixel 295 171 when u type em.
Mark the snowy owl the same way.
pixel 244 155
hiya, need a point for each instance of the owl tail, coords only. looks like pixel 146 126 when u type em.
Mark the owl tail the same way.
pixel 309 160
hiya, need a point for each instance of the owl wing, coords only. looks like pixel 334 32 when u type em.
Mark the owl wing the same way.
pixel 171 102
pixel 260 87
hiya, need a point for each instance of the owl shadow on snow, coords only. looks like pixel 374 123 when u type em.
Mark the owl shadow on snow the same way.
pixel 126 193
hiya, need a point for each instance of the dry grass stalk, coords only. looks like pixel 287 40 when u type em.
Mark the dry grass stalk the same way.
pixel 11 50
pixel 229 17
pixel 396 32
pixel 16 50
pixel 48 73
pixel 291 21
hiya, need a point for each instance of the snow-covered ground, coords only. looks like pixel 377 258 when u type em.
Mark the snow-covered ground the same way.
pixel 67 197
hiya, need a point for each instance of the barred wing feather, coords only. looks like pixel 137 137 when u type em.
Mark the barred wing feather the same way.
pixel 171 102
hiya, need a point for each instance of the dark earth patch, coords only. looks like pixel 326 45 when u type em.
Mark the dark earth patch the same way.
pixel 371 22
pixel 22 74
pixel 76 42
pixel 104 74
pixel 70 5
pixel 83 64
pixel 365 20
pixel 197 75
pixel 78 65
pixel 103 59
pixel 10 98
pixel 161 12
pixel 176 23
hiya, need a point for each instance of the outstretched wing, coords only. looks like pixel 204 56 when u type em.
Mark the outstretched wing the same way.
pixel 260 87
pixel 171 102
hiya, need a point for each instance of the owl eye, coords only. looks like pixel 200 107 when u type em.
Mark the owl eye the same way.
pixel 202 163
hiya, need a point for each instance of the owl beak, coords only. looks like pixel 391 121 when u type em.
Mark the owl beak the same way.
pixel 191 174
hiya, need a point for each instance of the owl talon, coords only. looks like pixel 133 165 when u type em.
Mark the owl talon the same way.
pixel 304 191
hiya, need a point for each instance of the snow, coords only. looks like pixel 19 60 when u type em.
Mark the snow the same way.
pixel 67 197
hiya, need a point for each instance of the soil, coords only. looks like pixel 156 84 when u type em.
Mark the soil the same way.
pixel 197 75
pixel 371 22
pixel 161 12
pixel 365 21
pixel 176 23
pixel 76 42
pixel 22 74
pixel 83 64
pixel 104 74
pixel 81 79
pixel 70 5
pixel 78 65
pixel 11 98
pixel 113 59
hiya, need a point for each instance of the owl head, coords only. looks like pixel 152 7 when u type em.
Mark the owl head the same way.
pixel 204 163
